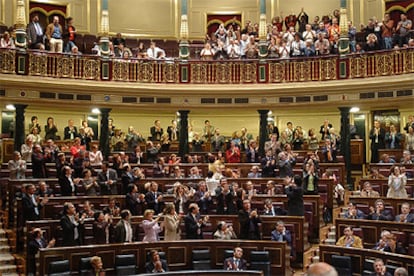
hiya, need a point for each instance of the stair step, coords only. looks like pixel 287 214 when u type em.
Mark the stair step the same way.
pixel 6 258
pixel 315 259
pixel 4 269
pixel 4 248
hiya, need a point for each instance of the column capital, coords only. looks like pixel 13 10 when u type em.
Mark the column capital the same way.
pixel 263 111
pixel 344 109
pixel 105 110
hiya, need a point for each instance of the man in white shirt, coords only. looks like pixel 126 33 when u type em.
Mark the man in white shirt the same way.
pixel 155 52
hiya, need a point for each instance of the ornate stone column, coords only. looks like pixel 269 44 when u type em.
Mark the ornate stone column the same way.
pixel 346 144
pixel 104 138
pixel 19 135
pixel 183 145
pixel 343 25
pixel 21 24
pixel 104 41
pixel 262 130
pixel 263 51
pixel 184 45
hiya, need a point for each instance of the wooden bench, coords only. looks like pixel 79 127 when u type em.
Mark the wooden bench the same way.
pixel 178 254
pixel 371 229
pixel 393 203
pixel 297 226
pixel 358 257
pixel 381 185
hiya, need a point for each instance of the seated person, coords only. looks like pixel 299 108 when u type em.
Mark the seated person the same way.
pixel 97 266
pixel 380 245
pixel 43 190
pixel 354 213
pixel 235 263
pixel 224 232
pixel 375 174
pixel 156 264
pixel 282 234
pixel 254 173
pixel 155 52
pixel 405 215
pixel 379 212
pixel 393 246
pixel 386 159
pixel 380 269
pixel 349 239
pixel 367 190
pixel 270 210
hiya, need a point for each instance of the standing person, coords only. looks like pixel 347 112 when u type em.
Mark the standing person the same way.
pixel 396 183
pixel 294 193
pixel 171 223
pixel 173 131
pixel 33 247
pixel 68 184
pixel 35 34
pixel 194 223
pixel 102 227
pixel 249 222
pixel 208 130
pixel 17 166
pixel 154 198
pixel 123 230
pixel 217 140
pixel 69 35
pixel 32 204
pixel 151 226
pixel 54 34
pixel 72 225
pixel 38 162
pixel 377 136
pixel 50 129
pixel 235 263
pixel 156 131
pixel 107 180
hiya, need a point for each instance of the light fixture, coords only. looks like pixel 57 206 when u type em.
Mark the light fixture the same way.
pixel 269 113
pixel 10 107
pixel 96 111
pixel 354 109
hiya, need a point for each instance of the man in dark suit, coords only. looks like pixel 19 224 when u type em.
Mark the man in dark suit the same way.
pixel 377 136
pixel 235 263
pixel 156 131
pixel 156 264
pixel 68 183
pixel 193 222
pixel 123 229
pixel 379 212
pixel 38 162
pixel 405 215
pixel 281 234
pixel 35 34
pixel 285 165
pixel 173 131
pixel 44 190
pixel 33 247
pixel 154 198
pixel 70 131
pixel 294 193
pixel 32 203
pixel 134 201
pixel 217 141
pixel 72 225
pixel 107 180
pixel 249 222
pixel 225 198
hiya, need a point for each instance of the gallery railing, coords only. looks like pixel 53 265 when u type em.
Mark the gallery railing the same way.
pixel 175 71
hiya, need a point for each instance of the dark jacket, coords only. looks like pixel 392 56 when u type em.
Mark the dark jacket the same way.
pixel 295 201
pixel 68 232
pixel 193 231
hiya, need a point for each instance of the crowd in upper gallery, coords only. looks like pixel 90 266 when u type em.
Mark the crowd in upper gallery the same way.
pixel 290 36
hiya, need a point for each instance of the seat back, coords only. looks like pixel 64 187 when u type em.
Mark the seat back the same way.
pixel 201 259
pixel 368 267
pixel 343 264
pixel 228 253
pixel 125 264
pixel 59 268
pixel 85 266
pixel 259 260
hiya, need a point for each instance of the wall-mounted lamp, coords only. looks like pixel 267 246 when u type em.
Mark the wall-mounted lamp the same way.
pixel 10 107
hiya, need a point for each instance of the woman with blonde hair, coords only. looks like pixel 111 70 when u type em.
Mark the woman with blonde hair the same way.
pixel 172 222
pixel 396 183
pixel 151 226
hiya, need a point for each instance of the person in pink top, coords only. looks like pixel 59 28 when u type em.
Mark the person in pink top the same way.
pixel 151 226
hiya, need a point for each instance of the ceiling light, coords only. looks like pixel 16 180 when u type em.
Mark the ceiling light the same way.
pixel 96 111
pixel 10 107
pixel 354 109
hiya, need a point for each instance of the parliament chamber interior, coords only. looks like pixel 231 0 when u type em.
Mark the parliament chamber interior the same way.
pixel 244 137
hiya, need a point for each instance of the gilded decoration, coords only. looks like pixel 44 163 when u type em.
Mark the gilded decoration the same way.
pixel 170 72
pixel 198 72
pixel 248 72
pixel 38 64
pixel 385 65
pixel 91 69
pixel 65 67
pixel 277 71
pixel 223 72
pixel 408 64
pixel 145 72
pixel 301 71
pixel 358 67
pixel 328 69
pixel 7 62
pixel 120 71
